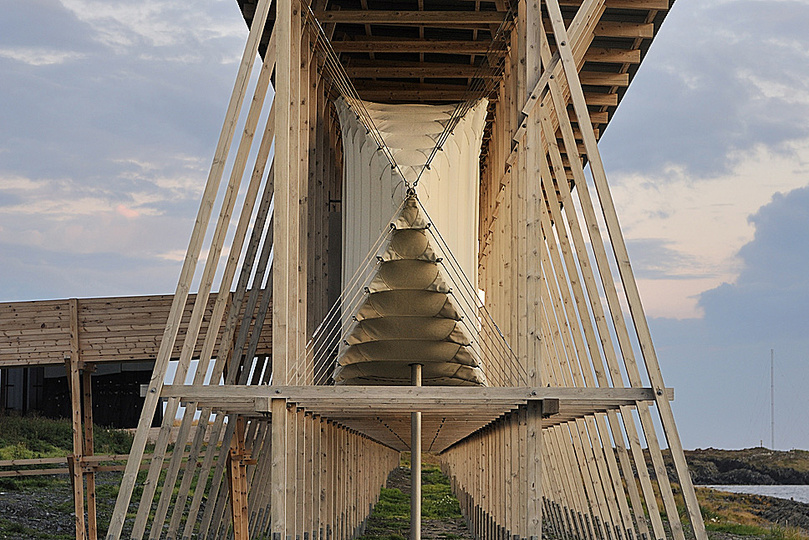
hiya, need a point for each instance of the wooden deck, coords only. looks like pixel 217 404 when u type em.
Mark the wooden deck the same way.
pixel 383 413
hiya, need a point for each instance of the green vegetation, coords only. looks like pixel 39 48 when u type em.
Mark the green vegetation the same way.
pixel 29 437
pixel 742 515
pixel 33 437
pixel 390 519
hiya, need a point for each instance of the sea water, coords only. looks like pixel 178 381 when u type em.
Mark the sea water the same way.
pixel 797 493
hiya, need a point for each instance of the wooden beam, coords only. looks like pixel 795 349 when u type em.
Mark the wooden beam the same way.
pixel 640 5
pixel 406 394
pixel 415 45
pixel 413 96
pixel 402 18
pixel 278 475
pixel 596 117
pixel 595 78
pixel 533 468
pixel 617 29
pixel 425 70
pixel 607 100
pixel 612 55
pixel 409 92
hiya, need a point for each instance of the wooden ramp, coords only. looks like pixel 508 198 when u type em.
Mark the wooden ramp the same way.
pixel 562 454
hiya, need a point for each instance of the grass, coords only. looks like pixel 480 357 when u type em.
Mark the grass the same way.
pixel 390 519
pixel 33 437
pixel 29 437
pixel 731 513
pixel 734 513
pixel 774 532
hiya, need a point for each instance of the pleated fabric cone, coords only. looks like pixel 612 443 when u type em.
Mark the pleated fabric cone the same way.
pixel 408 316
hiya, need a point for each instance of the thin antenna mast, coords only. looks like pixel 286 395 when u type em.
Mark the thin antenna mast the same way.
pixel 772 399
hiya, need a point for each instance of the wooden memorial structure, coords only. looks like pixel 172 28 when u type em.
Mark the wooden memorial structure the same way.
pixel 543 395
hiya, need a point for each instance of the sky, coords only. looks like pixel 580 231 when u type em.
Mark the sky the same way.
pixel 110 110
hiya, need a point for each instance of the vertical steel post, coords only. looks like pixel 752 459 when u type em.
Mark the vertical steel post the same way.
pixel 415 461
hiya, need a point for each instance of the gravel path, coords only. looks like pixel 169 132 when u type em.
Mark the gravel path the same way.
pixel 46 511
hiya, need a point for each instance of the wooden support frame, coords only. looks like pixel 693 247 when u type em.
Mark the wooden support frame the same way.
pixel 517 465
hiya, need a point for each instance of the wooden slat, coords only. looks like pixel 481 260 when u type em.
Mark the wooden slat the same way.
pixel 399 18
pixel 414 45
pixel 606 55
pixel 594 78
pixel 616 29
pixel 641 5
pixel 607 100
pixel 425 70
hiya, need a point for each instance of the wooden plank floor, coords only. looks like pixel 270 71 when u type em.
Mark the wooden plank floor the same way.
pixel 449 414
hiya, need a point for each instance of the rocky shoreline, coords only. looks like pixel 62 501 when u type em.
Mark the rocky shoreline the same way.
pixel 782 512
pixel 752 466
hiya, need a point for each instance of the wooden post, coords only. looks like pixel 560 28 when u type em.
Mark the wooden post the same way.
pixel 73 364
pixel 89 475
pixel 279 464
pixel 283 282
pixel 415 460
pixel 238 458
pixel 534 469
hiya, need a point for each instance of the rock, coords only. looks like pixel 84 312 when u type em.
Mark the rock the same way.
pixel 745 477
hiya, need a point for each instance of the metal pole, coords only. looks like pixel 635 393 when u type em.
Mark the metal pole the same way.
pixel 415 461
pixel 772 399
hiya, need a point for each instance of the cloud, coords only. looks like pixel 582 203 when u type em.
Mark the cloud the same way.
pixel 123 25
pixel 685 230
pixel 127 212
pixel 711 128
pixel 112 112
pixel 719 363
pixel 719 79
pixel 768 300
pixel 40 56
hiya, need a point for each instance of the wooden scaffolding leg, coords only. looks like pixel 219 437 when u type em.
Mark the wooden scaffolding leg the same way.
pixel 278 471
pixel 534 470
pixel 73 363
pixel 238 458
pixel 89 473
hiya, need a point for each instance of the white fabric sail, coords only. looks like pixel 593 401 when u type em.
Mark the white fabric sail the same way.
pixel 408 314
pixel 373 191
